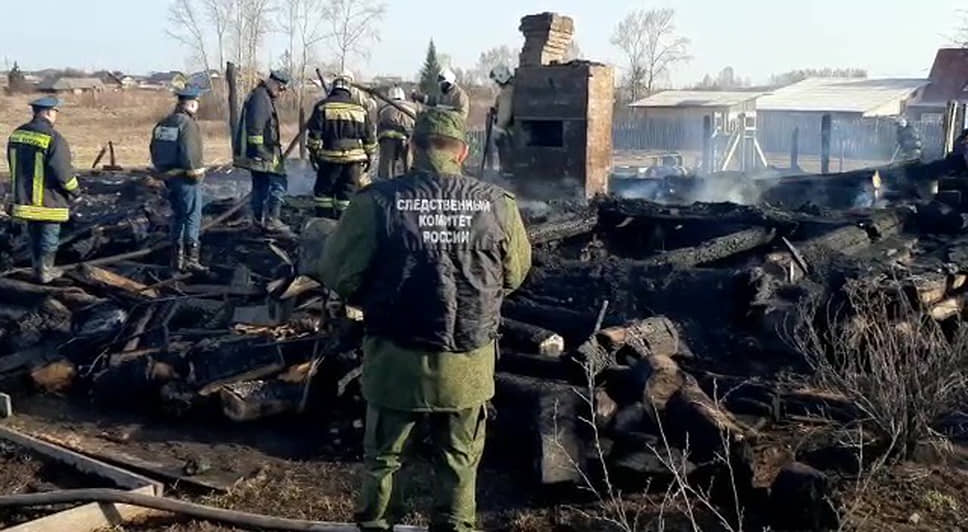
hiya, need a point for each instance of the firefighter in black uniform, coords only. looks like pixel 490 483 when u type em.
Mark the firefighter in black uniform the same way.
pixel 176 154
pixel 43 184
pixel 341 142
pixel 258 148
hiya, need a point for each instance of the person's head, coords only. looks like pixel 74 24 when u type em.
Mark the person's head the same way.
pixel 188 99
pixel 342 82
pixel 447 79
pixel 501 75
pixel 396 93
pixel 902 121
pixel 439 141
pixel 46 108
pixel 277 82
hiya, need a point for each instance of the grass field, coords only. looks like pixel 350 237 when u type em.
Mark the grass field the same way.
pixel 125 118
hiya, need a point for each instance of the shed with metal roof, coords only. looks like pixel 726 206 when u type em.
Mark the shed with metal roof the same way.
pixel 863 98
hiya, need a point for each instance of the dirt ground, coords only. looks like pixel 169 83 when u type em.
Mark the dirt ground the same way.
pixel 290 467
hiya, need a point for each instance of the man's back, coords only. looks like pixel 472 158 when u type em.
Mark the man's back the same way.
pixel 437 278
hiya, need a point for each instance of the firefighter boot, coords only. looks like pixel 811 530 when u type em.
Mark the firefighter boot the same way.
pixel 47 271
pixel 192 262
pixel 178 257
pixel 274 222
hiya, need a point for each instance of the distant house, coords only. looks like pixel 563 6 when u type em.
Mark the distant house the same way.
pixel 675 120
pixel 162 80
pixel 948 82
pixel 203 80
pixel 71 85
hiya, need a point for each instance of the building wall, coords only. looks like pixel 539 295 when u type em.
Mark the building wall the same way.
pixel 674 128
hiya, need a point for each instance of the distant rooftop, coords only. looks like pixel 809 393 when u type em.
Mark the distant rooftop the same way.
pixel 66 84
pixel 949 77
pixel 869 97
pixel 697 99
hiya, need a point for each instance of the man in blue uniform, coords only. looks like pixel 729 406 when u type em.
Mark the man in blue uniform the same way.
pixel 43 184
pixel 176 153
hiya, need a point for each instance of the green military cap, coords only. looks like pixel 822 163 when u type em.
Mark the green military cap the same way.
pixel 440 123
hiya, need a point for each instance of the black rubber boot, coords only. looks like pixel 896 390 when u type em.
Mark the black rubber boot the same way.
pixel 192 262
pixel 47 270
pixel 178 257
pixel 274 222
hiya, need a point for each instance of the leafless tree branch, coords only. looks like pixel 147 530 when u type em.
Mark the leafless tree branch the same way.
pixel 651 46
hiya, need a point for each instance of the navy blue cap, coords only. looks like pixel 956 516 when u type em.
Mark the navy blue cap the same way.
pixel 47 102
pixel 280 75
pixel 189 93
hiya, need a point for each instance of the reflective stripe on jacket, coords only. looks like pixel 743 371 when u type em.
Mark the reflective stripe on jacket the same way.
pixel 41 176
pixel 340 130
pixel 257 143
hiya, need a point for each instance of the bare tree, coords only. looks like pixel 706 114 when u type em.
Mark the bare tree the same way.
pixel 651 46
pixel 187 27
pixel 302 21
pixel 219 14
pixel 354 27
pixel 960 37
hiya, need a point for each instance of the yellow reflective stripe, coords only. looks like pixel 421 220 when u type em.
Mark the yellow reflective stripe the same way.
pixel 71 185
pixel 370 147
pixel 41 214
pixel 255 139
pixel 38 192
pixel 342 204
pixel 348 113
pixel 343 106
pixel 392 135
pixel 195 173
pixel 13 171
pixel 354 155
pixel 324 201
pixel 31 138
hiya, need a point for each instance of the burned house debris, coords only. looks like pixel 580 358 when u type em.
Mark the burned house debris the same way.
pixel 655 340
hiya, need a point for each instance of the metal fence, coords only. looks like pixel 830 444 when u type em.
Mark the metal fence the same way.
pixel 850 138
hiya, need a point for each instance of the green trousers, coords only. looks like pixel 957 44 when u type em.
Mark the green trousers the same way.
pixel 458 443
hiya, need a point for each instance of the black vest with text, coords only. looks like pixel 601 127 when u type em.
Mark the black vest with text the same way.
pixel 438 278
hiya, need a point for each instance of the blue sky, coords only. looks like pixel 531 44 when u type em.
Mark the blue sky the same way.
pixel 756 37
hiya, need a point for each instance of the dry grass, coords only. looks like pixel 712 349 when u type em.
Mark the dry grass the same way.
pixel 125 118
pixel 898 366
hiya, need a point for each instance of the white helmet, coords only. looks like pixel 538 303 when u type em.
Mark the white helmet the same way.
pixel 902 121
pixel 343 80
pixel 501 74
pixel 396 93
pixel 447 76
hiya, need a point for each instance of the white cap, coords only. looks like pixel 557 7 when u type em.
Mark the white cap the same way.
pixel 396 93
pixel 501 74
pixel 447 76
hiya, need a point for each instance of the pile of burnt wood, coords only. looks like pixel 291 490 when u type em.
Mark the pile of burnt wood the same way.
pixel 637 316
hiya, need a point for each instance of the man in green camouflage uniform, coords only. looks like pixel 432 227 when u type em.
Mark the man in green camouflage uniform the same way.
pixel 429 256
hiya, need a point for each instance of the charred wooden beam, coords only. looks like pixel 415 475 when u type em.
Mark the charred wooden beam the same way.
pixel 106 279
pixel 531 339
pixel 714 249
pixel 651 336
pixel 580 223
pixel 34 294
